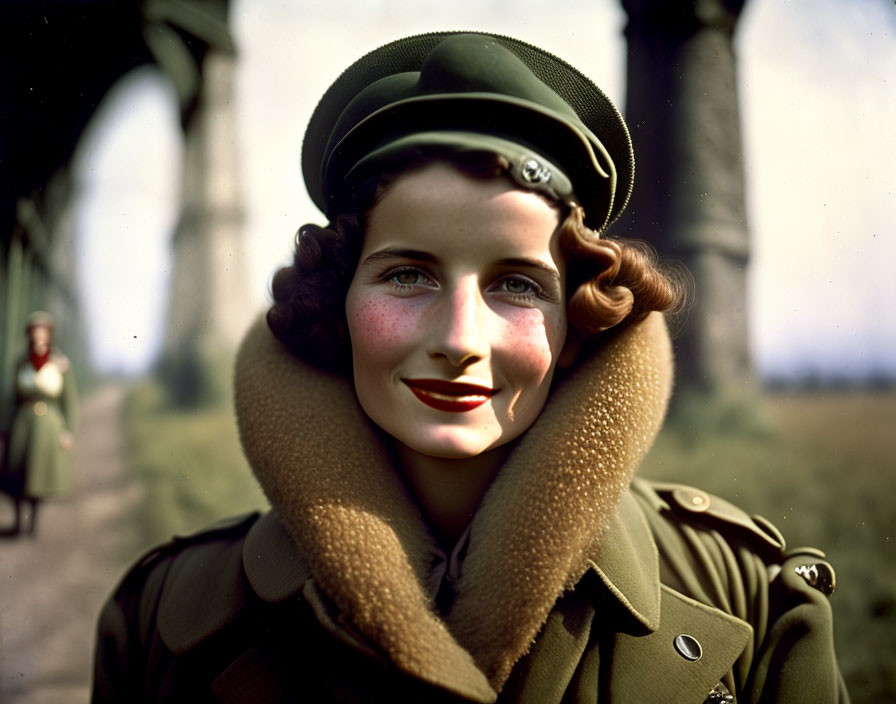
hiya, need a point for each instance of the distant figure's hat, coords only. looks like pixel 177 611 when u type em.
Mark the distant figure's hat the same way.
pixel 471 92
pixel 39 318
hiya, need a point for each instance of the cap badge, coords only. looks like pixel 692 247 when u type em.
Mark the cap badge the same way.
pixel 533 171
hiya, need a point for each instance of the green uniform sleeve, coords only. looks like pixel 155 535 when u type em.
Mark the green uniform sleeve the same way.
pixel 796 660
pixel 110 679
pixel 126 642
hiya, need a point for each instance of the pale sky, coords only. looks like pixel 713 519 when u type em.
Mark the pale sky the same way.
pixel 818 106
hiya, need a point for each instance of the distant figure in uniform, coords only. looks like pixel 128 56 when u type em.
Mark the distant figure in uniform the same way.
pixel 36 463
pixel 446 406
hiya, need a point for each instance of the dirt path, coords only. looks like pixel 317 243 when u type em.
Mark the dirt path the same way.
pixel 52 585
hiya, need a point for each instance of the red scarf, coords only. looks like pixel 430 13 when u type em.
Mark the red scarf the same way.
pixel 38 360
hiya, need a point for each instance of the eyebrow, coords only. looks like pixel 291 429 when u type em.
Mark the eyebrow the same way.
pixel 398 253
pixel 533 263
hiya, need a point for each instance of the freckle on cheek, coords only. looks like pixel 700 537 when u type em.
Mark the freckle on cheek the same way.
pixel 531 346
pixel 534 353
pixel 378 322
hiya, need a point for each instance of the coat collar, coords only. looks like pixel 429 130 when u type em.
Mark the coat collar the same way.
pixel 537 532
pixel 277 571
pixel 656 615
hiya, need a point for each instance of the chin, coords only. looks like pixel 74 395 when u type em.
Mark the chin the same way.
pixel 453 444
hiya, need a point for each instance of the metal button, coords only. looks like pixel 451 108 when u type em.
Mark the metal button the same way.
pixel 40 408
pixel 688 647
pixel 719 694
pixel 692 500
pixel 818 575
pixel 534 172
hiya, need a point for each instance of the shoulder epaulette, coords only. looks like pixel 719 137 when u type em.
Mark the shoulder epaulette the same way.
pixel 689 502
pixel 803 563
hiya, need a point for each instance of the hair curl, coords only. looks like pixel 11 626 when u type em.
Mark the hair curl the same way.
pixel 308 313
pixel 609 281
pixel 612 280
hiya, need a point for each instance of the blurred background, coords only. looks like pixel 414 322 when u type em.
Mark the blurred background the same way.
pixel 151 185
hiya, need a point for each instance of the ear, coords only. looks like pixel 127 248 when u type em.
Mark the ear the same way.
pixel 571 349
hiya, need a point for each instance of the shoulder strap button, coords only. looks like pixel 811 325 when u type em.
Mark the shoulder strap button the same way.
pixel 692 499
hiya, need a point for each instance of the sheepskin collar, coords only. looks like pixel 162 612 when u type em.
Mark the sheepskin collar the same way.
pixel 366 545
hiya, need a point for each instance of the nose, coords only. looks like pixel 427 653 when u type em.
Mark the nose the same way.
pixel 460 325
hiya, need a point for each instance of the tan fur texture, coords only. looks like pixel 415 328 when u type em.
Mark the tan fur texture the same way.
pixel 324 469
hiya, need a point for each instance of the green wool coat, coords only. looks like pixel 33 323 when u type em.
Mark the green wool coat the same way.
pixel 688 599
pixel 36 466
pixel 575 582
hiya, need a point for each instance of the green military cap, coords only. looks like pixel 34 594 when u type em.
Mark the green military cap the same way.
pixel 476 92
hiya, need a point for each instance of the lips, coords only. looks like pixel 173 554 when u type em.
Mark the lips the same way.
pixel 451 396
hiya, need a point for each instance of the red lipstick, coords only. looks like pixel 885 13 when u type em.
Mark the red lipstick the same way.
pixel 451 396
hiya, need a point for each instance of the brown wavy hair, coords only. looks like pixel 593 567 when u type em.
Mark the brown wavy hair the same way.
pixel 609 281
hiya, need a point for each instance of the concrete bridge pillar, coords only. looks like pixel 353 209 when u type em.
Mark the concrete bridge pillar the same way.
pixel 682 109
pixel 210 305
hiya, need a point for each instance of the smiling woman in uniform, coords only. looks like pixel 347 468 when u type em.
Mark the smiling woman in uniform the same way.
pixel 446 406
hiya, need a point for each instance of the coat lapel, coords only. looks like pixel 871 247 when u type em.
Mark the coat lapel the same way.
pixel 544 674
pixel 627 564
pixel 645 664
pixel 273 563
pixel 649 667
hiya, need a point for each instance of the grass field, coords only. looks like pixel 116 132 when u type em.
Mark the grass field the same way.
pixel 824 473
pixel 189 463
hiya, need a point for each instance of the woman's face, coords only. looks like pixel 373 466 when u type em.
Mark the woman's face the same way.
pixel 457 311
pixel 39 337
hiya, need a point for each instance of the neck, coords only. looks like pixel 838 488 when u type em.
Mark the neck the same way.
pixel 449 490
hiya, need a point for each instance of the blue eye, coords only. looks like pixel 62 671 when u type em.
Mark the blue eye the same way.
pixel 519 286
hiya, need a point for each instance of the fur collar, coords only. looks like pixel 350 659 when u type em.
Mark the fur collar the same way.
pixel 324 470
